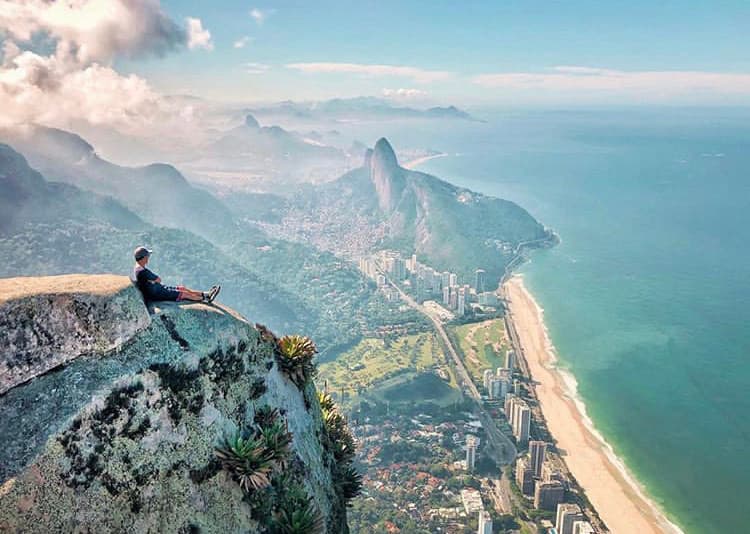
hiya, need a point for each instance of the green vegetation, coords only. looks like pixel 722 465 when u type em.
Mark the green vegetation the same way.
pixel 339 306
pixel 297 513
pixel 400 369
pixel 483 345
pixel 425 386
pixel 247 460
pixel 339 442
pixel 295 358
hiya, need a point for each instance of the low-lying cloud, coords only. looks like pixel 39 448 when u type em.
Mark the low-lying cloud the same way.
pixel 404 93
pixel 565 80
pixel 415 74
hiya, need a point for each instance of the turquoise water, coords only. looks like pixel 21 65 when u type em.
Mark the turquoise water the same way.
pixel 646 297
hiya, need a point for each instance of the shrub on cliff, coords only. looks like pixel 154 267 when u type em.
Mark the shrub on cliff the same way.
pixel 295 358
pixel 340 443
pixel 248 461
pixel 297 513
pixel 251 457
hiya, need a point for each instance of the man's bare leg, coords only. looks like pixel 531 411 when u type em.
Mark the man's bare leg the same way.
pixel 190 294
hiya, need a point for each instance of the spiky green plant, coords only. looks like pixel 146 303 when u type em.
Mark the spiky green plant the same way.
pixel 296 358
pixel 248 460
pixel 302 518
pixel 277 441
pixel 327 404
pixel 340 436
pixel 348 482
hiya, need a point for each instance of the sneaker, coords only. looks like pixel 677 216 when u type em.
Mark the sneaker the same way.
pixel 213 293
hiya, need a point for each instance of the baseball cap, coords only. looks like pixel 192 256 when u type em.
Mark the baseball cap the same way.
pixel 141 252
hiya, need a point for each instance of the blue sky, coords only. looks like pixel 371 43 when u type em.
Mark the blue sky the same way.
pixel 467 39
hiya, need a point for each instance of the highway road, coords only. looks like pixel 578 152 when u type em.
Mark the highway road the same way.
pixel 505 449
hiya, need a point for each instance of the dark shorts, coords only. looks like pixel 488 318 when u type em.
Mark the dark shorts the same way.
pixel 160 292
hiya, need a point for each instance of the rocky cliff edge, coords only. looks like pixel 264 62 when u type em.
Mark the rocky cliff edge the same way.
pixel 111 417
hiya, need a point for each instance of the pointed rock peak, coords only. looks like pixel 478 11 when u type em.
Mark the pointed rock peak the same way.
pixel 386 175
pixel 384 155
pixel 251 122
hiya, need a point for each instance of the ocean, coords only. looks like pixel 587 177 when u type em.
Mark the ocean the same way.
pixel 646 297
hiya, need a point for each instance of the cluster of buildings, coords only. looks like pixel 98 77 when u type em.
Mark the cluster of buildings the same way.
pixel 409 486
pixel 536 475
pixel 500 384
pixel 426 282
pixel 518 413
pixel 571 520
pixel 502 387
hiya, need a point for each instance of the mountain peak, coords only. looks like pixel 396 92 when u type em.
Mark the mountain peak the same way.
pixel 251 122
pixel 386 175
pixel 384 154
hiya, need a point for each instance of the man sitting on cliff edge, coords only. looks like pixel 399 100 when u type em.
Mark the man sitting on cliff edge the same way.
pixel 152 289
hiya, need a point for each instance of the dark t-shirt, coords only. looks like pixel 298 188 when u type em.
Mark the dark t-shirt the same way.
pixel 145 280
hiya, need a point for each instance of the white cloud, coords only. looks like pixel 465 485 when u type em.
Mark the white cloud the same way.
pixel 198 37
pixel 404 93
pixel 415 74
pixel 75 80
pixel 641 84
pixel 94 30
pixel 260 15
pixel 242 41
pixel 255 68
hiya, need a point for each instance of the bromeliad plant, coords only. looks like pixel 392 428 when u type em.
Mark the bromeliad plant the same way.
pixel 349 482
pixel 248 460
pixel 297 513
pixel 295 357
pixel 252 457
pixel 339 435
pixel 277 441
pixel 340 442
pixel 327 404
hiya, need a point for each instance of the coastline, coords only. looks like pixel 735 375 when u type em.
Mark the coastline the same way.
pixel 417 162
pixel 615 494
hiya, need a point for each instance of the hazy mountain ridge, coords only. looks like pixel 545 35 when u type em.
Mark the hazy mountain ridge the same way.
pixel 158 193
pixel 60 228
pixel 381 204
pixel 364 107
pixel 53 228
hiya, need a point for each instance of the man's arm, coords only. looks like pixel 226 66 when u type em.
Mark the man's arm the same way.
pixel 152 277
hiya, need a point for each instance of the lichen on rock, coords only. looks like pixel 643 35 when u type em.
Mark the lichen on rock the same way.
pixel 125 440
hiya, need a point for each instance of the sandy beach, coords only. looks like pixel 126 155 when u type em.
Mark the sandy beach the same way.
pixel 411 165
pixel 613 492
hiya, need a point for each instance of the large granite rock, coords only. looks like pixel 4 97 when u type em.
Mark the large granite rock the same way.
pixel 124 440
pixel 47 321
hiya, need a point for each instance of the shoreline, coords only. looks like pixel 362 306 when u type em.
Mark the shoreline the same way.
pixel 615 494
pixel 417 162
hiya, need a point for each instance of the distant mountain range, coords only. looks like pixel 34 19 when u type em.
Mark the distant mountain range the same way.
pixel 359 108
pixel 159 193
pixel 271 143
